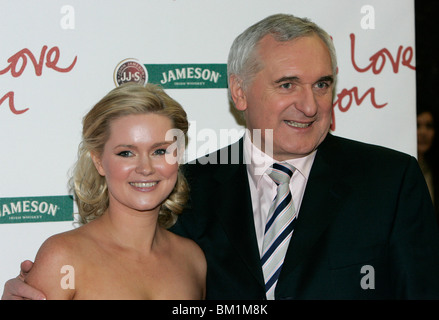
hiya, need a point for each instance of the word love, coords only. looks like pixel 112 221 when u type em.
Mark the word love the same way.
pixel 18 62
pixel 346 97
pixel 378 60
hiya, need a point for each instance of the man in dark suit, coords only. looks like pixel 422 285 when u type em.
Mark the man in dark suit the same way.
pixel 365 224
pixel 365 228
pixel 360 221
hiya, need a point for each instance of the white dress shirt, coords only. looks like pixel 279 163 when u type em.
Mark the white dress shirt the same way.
pixel 262 187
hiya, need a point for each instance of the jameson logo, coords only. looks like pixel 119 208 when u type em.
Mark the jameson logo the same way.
pixel 188 76
pixel 36 209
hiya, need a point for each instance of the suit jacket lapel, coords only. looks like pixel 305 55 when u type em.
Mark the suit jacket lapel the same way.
pixel 322 194
pixel 235 213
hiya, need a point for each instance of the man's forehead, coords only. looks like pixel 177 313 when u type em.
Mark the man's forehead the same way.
pixel 293 53
pixel 271 41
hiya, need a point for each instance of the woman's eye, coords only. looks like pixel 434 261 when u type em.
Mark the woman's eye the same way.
pixel 125 154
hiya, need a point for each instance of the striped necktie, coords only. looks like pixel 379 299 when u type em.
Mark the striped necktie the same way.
pixel 279 228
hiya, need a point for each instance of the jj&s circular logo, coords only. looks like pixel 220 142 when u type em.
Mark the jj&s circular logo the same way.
pixel 130 70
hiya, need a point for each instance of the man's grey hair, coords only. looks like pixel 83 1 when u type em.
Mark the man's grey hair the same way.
pixel 243 59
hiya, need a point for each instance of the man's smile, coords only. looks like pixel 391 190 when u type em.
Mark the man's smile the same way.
pixel 295 124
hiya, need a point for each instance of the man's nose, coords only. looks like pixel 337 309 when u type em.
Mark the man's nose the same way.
pixel 306 102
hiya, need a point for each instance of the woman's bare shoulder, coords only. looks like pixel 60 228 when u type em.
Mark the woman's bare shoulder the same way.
pixel 190 250
pixel 54 260
pixel 185 244
pixel 192 256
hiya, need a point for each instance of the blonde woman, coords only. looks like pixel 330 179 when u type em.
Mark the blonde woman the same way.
pixel 129 190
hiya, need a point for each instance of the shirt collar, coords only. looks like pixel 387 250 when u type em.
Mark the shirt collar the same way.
pixel 258 162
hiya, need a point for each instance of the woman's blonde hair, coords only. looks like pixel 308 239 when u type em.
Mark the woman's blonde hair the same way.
pixel 88 186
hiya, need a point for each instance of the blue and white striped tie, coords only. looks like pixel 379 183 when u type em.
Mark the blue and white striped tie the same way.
pixel 279 228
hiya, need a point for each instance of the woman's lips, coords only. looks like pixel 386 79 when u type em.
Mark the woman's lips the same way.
pixel 143 184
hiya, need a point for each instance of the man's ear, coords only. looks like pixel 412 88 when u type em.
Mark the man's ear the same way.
pixel 98 164
pixel 237 93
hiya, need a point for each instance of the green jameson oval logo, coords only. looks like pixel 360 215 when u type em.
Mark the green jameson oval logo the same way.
pixel 188 76
pixel 172 76
pixel 36 209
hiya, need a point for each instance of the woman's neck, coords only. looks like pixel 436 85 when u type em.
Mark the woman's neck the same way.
pixel 132 230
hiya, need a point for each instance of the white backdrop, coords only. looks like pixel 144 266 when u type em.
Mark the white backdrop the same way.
pixel 76 46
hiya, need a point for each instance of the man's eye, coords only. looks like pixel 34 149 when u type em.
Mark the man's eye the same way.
pixel 125 154
pixel 287 85
pixel 322 85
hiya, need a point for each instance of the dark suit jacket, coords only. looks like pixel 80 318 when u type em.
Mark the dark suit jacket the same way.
pixel 365 228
